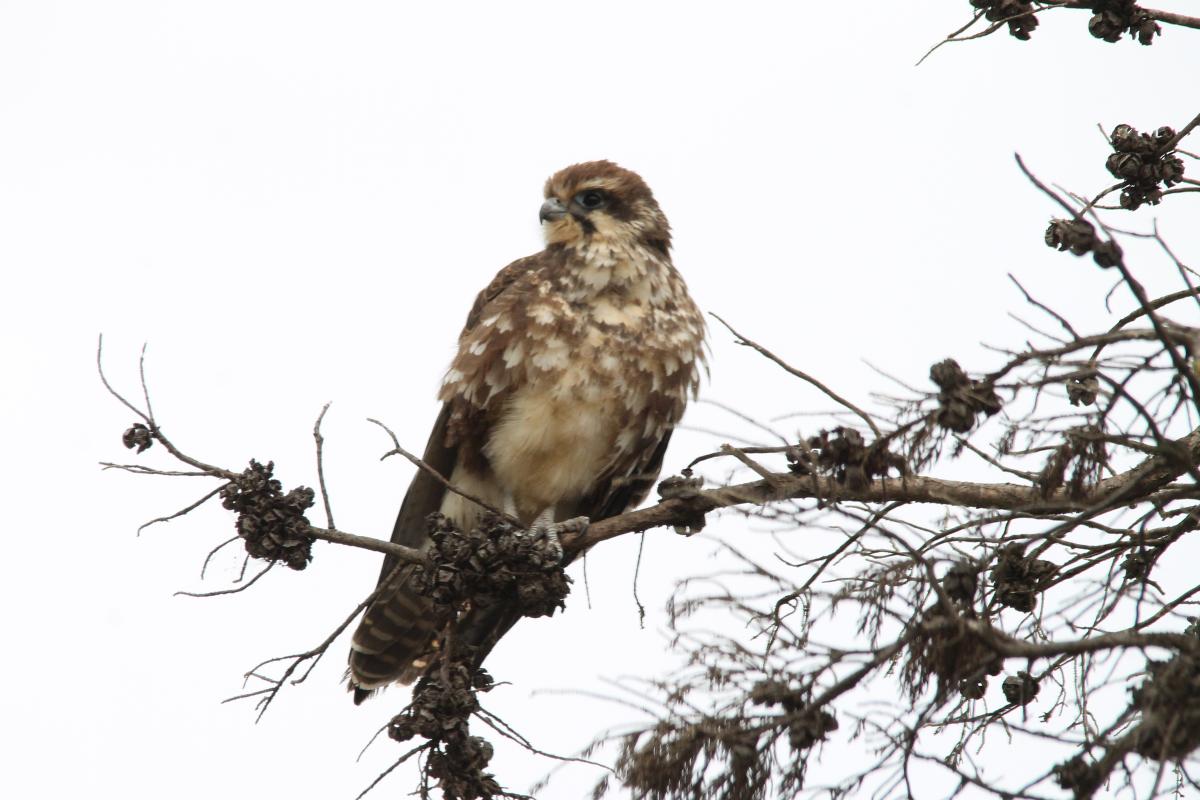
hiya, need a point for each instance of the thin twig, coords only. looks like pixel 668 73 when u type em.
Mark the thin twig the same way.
pixel 837 398
pixel 268 694
pixel 241 588
pixel 182 511
pixel 213 552
pixel 320 440
pixel 388 771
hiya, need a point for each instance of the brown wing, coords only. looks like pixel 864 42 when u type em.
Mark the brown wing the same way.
pixel 503 280
pixel 622 492
pixel 399 625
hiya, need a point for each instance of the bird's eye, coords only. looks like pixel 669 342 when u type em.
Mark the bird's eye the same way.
pixel 591 199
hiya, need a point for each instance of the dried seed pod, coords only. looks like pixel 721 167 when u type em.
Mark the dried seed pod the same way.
pixel 1113 18
pixel 1124 138
pixel 1083 390
pixel 961 400
pixel 1079 777
pixel 1020 688
pixel 1075 235
pixel 1137 565
pixel 1170 170
pixel 1107 254
pixel 1019 580
pixel 1131 198
pixel 1146 29
pixel 811 728
pixel 1017 14
pixel 1107 26
pixel 772 693
pixel 138 436
pixel 961 582
pixel 1080 237
pixel 1124 165
pixel 769 693
pixel 1169 704
pixel 973 688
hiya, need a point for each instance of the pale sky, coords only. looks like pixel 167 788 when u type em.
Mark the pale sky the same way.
pixel 295 202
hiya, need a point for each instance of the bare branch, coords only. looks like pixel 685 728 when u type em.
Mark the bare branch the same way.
pixel 742 340
pixel 320 440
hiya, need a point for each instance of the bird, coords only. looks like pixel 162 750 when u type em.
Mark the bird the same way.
pixel 570 375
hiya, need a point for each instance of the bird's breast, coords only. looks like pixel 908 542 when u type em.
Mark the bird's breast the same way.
pixel 550 444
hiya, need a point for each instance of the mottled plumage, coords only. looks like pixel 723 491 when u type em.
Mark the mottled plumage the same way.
pixel 571 372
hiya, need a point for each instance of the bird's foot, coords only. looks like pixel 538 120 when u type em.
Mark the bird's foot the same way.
pixel 551 533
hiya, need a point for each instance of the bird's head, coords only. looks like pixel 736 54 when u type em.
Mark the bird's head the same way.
pixel 598 200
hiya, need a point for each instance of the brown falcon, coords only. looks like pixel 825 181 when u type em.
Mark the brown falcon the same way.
pixel 571 372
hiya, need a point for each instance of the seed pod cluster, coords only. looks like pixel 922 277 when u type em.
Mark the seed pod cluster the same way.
pixel 1145 162
pixel 1019 580
pixel 1138 563
pixel 1112 18
pixel 492 562
pixel 271 523
pixel 961 582
pixel 974 687
pixel 1017 13
pixel 1169 705
pixel 443 701
pixel 1079 777
pixel 960 399
pixel 843 454
pixel 771 693
pixel 809 727
pixel 945 647
pixel 1082 390
pixel 1080 238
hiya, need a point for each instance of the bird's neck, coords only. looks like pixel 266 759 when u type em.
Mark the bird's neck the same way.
pixel 618 271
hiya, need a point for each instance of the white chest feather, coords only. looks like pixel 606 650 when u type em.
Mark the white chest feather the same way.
pixel 550 445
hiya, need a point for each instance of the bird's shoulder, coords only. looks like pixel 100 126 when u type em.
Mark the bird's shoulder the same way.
pixel 520 276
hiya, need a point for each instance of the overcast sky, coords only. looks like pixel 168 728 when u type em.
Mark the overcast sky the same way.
pixel 295 202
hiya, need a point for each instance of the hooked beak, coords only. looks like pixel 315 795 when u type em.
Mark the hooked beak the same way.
pixel 553 209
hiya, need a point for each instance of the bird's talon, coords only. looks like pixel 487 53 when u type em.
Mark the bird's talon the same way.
pixel 551 533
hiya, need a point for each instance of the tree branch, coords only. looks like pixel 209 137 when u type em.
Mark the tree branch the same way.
pixel 1152 474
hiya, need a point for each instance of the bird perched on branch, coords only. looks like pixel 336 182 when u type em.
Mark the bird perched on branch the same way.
pixel 573 368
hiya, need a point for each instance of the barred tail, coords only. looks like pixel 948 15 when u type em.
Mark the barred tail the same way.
pixel 395 634
pixel 398 627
